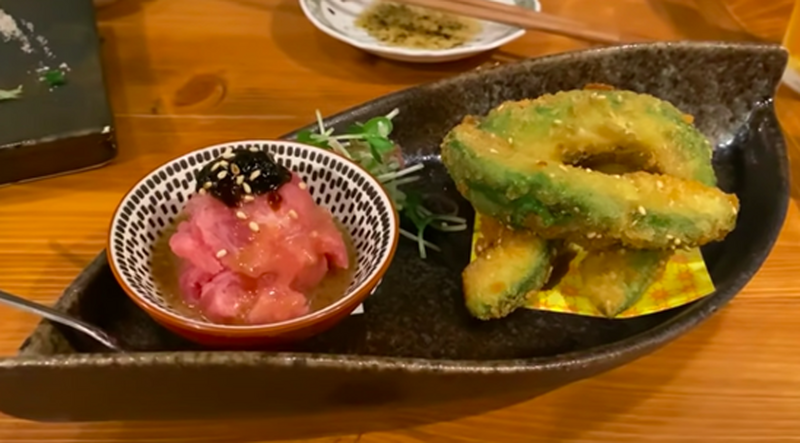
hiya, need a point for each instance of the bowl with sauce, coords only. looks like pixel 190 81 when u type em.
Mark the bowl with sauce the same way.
pixel 409 33
pixel 253 243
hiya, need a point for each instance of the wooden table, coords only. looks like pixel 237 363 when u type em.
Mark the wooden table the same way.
pixel 188 73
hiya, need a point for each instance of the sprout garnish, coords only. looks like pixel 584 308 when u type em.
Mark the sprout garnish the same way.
pixel 369 145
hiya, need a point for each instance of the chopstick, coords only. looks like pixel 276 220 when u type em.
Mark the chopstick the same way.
pixel 525 18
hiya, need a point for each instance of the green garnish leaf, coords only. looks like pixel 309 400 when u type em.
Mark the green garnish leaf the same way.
pixel 381 144
pixel 376 154
pixel 310 138
pixel 54 77
pixel 356 128
pixel 304 136
pixel 380 126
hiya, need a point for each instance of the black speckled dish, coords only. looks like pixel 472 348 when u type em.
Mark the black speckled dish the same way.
pixel 416 343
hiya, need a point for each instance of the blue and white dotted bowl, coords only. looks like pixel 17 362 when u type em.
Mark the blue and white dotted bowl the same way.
pixel 349 192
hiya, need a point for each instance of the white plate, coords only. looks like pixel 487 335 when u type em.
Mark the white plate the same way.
pixel 337 19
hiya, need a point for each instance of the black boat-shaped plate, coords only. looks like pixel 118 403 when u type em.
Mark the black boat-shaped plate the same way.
pixel 415 343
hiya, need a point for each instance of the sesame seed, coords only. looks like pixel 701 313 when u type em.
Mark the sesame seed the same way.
pixel 227 151
pixel 222 174
pixel 562 167
pixel 510 140
pixel 303 185
pixel 670 237
pixel 247 188
pixel 235 169
pixel 253 226
pixel 229 155
pixel 240 180
pixel 557 122
pixel 241 215
pixel 207 185
pixel 254 175
pixel 641 210
pixel 202 191
pixel 253 149
pixel 248 198
pixel 677 241
pixel 660 184
pixel 222 253
pixel 223 163
pixel 493 151
pixel 590 235
pixel 215 166
pixel 292 214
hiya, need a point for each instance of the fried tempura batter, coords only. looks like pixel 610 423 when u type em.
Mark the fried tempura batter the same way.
pixel 497 282
pixel 622 177
pixel 510 165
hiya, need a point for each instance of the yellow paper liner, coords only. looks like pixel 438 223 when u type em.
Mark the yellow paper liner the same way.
pixel 684 280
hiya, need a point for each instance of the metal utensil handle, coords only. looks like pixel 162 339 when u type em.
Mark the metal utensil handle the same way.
pixel 59 317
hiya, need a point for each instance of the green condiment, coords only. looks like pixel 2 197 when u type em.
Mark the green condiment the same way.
pixel 54 77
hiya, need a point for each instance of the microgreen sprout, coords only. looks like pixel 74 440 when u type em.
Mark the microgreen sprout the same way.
pixel 369 145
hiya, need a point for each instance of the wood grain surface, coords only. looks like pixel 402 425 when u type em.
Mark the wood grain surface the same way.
pixel 188 73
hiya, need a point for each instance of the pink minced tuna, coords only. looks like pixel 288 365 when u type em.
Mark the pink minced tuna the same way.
pixel 252 264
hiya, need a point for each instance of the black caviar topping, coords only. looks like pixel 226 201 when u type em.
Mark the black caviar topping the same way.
pixel 240 173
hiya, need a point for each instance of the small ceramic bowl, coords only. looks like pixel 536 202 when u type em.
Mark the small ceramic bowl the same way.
pixel 352 195
pixel 337 19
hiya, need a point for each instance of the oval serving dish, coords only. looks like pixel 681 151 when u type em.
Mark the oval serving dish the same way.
pixel 336 18
pixel 415 342
pixel 353 197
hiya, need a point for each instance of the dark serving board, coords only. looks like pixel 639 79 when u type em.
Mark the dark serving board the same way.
pixel 415 343
pixel 51 131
